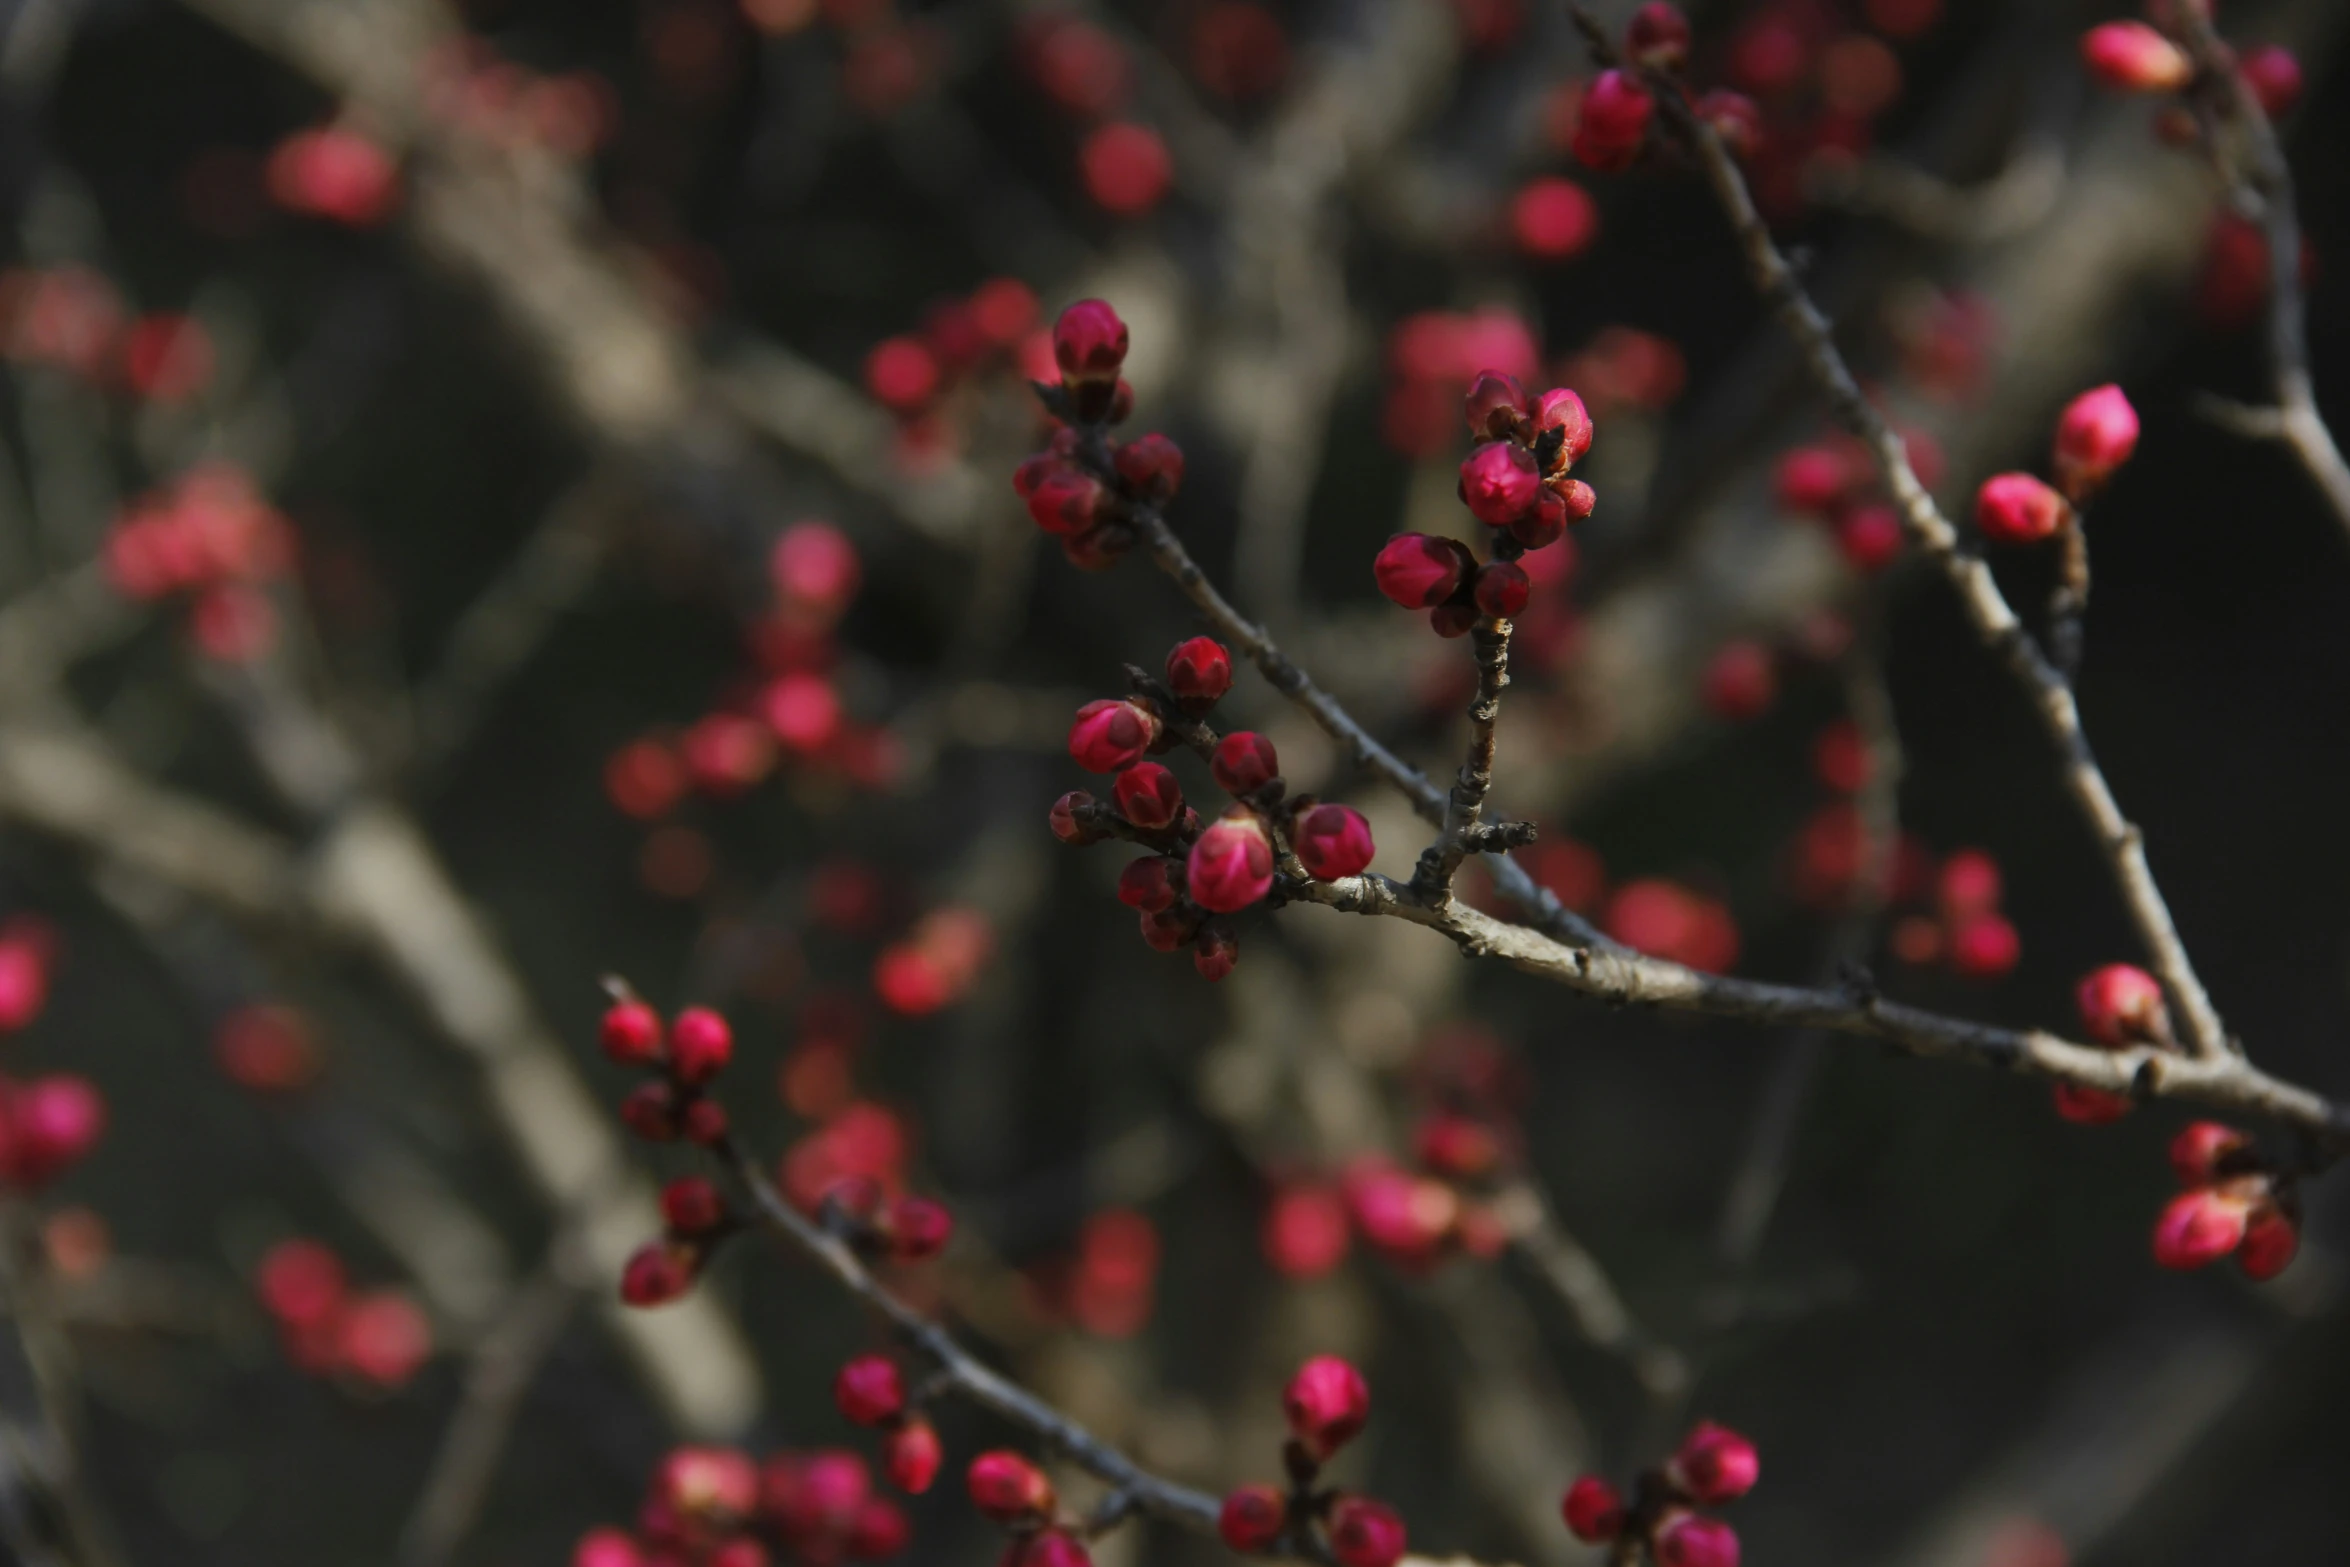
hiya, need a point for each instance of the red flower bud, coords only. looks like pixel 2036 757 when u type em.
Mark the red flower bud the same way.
pixel 2095 435
pixel 1148 795
pixel 1064 822
pixel 691 1205
pixel 1167 929
pixel 1576 501
pixel 1066 500
pixel 1151 466
pixel 1456 1146
pixel 1969 884
pixel 1052 1548
pixel 1985 947
pixel 1594 1510
pixel 2122 1005
pixel 1499 482
pixel 1658 37
pixel 606 1548
pixel 1199 672
pixel 1111 734
pixel 714 1485
pixel 700 1043
pixel 1252 1518
pixel 2196 1153
pixel 2015 508
pixel 1332 841
pixel 702 1122
pixel 1215 952
pixel 915 1228
pixel 1231 866
pixel 630 1033
pixel 1328 1404
pixel 1008 1488
pixel 1495 405
pixel 1501 589
pixel 1692 1540
pixel 1811 480
pixel 1615 112
pixel 658 1273
pixel 650 1111
pixel 2088 1106
pixel 1418 570
pixel 911 1455
pixel 1869 538
pixel 1715 1465
pixel 881 1530
pixel 52 1123
pixel 869 1390
pixel 2132 57
pixel 1244 762
pixel 1089 342
pixel 1364 1533
pixel 1452 620
pixel 1562 409
pixel 2274 76
pixel 1740 681
pixel 2271 1241
pixel 2199 1227
pixel 1145 885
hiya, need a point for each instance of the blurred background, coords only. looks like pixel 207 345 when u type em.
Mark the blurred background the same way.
pixel 498 494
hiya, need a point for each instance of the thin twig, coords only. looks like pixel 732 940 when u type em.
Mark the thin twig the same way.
pixel 1572 1274
pixel 1464 807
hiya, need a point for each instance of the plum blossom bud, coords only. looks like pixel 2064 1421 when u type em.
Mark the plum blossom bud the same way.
pixel 1740 681
pixel 1810 480
pixel 1499 482
pixel 881 1530
pixel 1066 500
pixel 2015 508
pixel 1089 343
pixel 1199 672
pixel 1594 1510
pixel 1231 866
pixel 691 1205
pixel 2271 1240
pixel 1215 952
pixel 1577 500
pixel 1418 570
pixel 2095 435
pixel 606 1548
pixel 2088 1106
pixel 658 1273
pixel 1244 762
pixel 910 1455
pixel 1052 1548
pixel 1615 111
pixel 2274 76
pixel 1693 1540
pixel 1364 1533
pixel 1502 588
pixel 1151 466
pixel 1252 1518
pixel 1145 885
pixel 650 1111
pixel 1148 795
pixel 630 1033
pixel 1562 409
pixel 2199 1227
pixel 1007 1488
pixel 1328 1403
pixel 702 1122
pixel 1658 37
pixel 1064 819
pixel 870 1390
pixel 915 1228
pixel 2197 1152
pixel 1452 620
pixel 1495 405
pixel 1715 1464
pixel 1735 119
pixel 1111 734
pixel 2133 57
pixel 1333 841
pixel 2122 1005
pixel 700 1044
pixel 52 1124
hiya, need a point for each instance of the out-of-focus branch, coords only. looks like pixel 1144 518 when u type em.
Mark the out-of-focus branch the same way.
pixel 1575 1277
pixel 2266 181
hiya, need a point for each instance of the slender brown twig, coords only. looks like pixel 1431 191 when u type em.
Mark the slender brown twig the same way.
pixel 1464 807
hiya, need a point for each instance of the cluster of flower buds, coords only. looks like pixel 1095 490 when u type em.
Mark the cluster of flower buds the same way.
pixel 1327 1404
pixel 871 1391
pixel 936 963
pixel 718 1507
pixel 694 1220
pixel 1082 487
pixel 47 1123
pixel 1200 870
pixel 1516 481
pixel 1836 482
pixel 913 373
pixel 2233 1200
pixel 1714 1465
pixel 374 1340
pixel 71 319
pixel 2095 435
pixel 1611 117
pixel 2135 57
pixel 335 172
pixel 1083 69
pixel 848 1173
pixel 685 1056
pixel 212 537
pixel 1011 1491
pixel 1965 928
pixel 2121 1007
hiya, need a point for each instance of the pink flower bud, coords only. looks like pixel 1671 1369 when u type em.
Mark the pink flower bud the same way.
pixel 2096 434
pixel 658 1273
pixel 1495 405
pixel 1066 500
pixel 1452 620
pixel 1328 1403
pixel 1007 1488
pixel 1594 1510
pixel 1616 109
pixel 691 1205
pixel 1418 570
pixel 1739 681
pixel 869 1390
pixel 1811 480
pixel 2015 508
pixel 1456 1146
pixel 2199 1227
pixel 630 1033
pixel 1089 342
pixel 1151 466
pixel 1562 409
pixel 51 1125
pixel 1167 929
pixel 650 1111
pixel 710 1485
pixel 1231 866
pixel 1333 841
pixel 1577 500
pixel 2088 1106
pixel 1985 947
pixel 1869 538
pixel 2122 1005
pixel 1501 589
pixel 1199 672
pixel 1052 1548
pixel 700 1044
pixel 1364 1533
pixel 1252 1518
pixel 1658 37
pixel 881 1530
pixel 910 1455
pixel 1148 795
pixel 2132 57
pixel 915 1228
pixel 1144 884
pixel 1215 952
pixel 1499 482
pixel 2274 76
pixel 1969 884
pixel 1715 1465
pixel 1692 1540
pixel 2197 1152
pixel 606 1548
pixel 1244 762
pixel 1111 734
pixel 1064 822
pixel 702 1122
pixel 2271 1240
